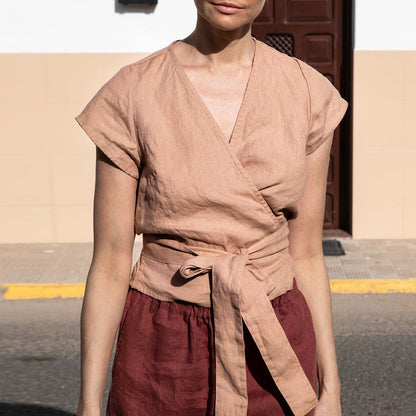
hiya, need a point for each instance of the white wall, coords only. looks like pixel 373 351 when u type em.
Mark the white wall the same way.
pixel 385 25
pixel 92 25
pixel 105 26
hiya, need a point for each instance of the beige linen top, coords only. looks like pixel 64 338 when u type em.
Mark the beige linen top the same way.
pixel 213 211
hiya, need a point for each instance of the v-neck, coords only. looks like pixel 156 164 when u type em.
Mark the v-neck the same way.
pixel 192 89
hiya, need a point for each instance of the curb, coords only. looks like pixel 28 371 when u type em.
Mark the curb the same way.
pixel 383 286
pixel 21 291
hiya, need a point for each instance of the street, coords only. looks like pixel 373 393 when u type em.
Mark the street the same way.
pixel 375 339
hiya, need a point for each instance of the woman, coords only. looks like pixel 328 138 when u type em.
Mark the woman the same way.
pixel 216 148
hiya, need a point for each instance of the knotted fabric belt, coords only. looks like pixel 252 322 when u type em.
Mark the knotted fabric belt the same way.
pixel 240 290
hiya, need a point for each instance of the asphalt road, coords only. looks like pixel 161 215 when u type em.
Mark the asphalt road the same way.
pixel 375 339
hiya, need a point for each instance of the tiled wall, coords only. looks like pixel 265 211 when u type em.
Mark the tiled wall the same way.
pixel 384 143
pixel 47 163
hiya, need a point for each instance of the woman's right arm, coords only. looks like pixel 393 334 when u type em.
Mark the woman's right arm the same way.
pixel 107 280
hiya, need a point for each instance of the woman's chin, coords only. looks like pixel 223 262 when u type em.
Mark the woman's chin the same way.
pixel 228 23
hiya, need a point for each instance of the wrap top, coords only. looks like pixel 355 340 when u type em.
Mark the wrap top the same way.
pixel 214 211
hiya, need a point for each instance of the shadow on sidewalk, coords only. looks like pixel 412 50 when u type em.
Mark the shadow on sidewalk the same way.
pixel 16 409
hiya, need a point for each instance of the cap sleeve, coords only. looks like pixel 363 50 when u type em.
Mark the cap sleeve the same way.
pixel 108 119
pixel 326 107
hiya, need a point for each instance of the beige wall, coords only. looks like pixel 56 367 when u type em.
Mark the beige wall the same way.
pixel 384 144
pixel 47 161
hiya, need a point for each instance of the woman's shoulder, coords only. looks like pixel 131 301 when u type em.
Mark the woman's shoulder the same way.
pixel 154 56
pixel 272 56
pixel 291 66
pixel 147 66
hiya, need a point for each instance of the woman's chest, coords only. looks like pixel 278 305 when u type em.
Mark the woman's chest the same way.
pixel 187 157
pixel 222 95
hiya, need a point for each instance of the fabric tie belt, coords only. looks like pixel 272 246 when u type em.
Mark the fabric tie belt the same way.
pixel 240 290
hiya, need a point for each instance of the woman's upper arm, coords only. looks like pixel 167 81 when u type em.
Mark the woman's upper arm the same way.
pixel 109 120
pixel 326 110
pixel 305 231
pixel 114 211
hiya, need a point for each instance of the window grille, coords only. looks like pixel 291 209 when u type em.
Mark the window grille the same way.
pixel 284 43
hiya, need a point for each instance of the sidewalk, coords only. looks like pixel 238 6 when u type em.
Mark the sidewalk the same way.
pixel 48 270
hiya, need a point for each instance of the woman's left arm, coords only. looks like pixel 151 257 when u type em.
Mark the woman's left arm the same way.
pixel 305 245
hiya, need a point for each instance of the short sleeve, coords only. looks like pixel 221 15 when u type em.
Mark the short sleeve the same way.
pixel 108 119
pixel 326 107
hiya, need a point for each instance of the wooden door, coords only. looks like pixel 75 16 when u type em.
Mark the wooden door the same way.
pixel 312 30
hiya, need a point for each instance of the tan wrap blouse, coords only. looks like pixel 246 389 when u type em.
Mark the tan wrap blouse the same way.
pixel 213 211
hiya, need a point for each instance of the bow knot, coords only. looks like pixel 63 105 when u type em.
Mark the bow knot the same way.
pixel 201 264
pixel 195 266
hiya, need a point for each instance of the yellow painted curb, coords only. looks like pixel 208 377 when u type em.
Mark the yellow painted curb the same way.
pixel 373 285
pixel 14 291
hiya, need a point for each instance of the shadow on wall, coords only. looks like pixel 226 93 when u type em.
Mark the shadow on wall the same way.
pixel 135 8
pixel 15 409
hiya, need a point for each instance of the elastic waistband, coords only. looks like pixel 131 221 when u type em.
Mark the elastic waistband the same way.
pixel 190 310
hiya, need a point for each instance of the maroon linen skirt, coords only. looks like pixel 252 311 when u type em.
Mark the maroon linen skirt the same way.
pixel 164 362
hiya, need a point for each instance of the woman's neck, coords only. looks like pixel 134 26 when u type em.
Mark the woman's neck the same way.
pixel 218 47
